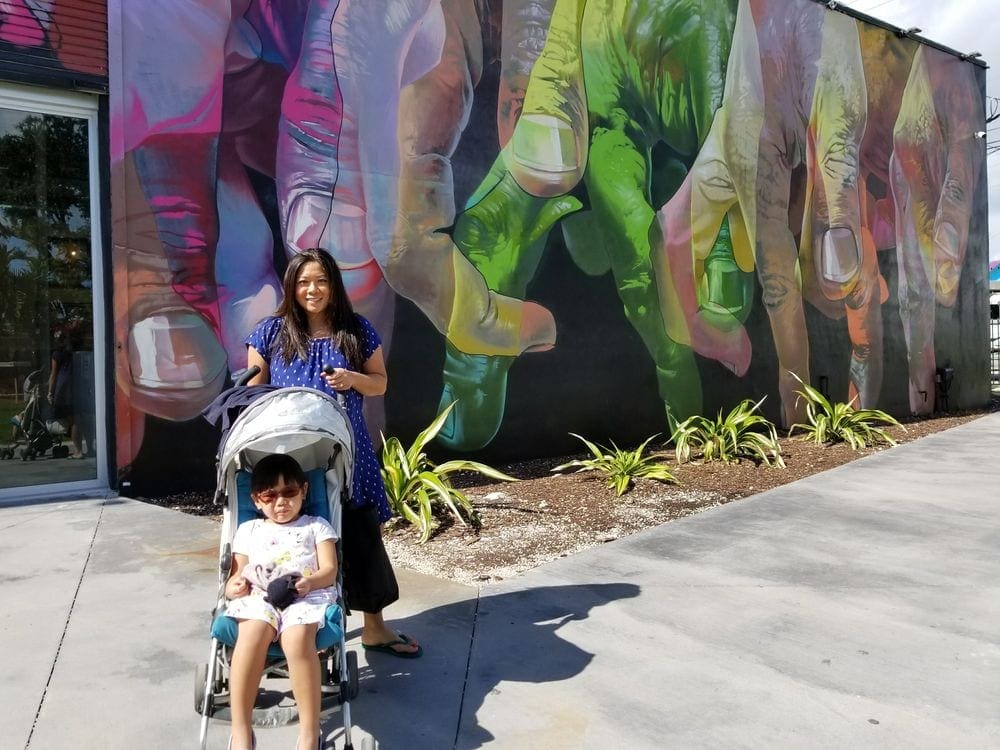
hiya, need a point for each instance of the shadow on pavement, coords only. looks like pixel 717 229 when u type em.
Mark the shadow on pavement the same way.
pixel 514 638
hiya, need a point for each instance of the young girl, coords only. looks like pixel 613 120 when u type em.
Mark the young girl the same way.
pixel 282 542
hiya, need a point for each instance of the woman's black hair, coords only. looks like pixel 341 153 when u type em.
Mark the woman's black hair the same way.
pixel 293 338
pixel 269 470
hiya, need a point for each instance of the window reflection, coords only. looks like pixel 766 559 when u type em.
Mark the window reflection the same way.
pixel 47 396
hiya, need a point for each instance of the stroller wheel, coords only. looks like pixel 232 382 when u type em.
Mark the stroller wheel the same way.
pixel 364 742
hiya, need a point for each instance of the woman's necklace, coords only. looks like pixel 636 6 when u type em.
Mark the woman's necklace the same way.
pixel 320 327
pixel 320 332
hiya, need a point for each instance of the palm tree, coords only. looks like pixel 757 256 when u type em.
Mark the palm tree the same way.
pixel 11 271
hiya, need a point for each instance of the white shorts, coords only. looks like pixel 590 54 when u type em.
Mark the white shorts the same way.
pixel 305 611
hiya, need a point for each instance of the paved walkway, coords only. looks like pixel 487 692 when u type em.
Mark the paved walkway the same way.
pixel 859 608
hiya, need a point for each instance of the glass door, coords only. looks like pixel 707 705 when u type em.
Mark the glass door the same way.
pixel 51 295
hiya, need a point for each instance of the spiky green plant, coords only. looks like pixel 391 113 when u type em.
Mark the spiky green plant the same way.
pixel 840 422
pixel 740 434
pixel 620 467
pixel 415 485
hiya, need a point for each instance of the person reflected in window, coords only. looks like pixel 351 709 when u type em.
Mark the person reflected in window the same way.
pixel 60 393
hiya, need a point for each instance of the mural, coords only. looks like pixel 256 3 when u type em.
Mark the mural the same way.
pixel 732 169
pixel 34 34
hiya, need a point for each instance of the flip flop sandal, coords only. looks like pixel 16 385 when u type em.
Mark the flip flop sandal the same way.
pixel 387 648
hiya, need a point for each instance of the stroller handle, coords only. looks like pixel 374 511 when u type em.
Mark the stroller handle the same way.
pixel 341 399
pixel 241 378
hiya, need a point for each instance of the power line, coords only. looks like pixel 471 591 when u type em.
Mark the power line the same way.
pixel 874 7
pixel 994 103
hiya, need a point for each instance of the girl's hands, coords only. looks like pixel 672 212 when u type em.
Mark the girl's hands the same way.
pixel 236 587
pixel 303 586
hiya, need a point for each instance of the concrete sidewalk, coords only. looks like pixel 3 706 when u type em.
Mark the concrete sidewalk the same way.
pixel 857 608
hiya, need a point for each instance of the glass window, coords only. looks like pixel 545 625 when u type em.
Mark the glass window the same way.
pixel 48 399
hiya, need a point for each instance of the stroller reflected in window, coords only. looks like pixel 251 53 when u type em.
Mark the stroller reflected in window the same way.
pixel 314 429
pixel 32 431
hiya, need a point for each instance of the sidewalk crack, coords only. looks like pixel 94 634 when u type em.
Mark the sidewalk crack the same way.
pixel 468 665
pixel 69 615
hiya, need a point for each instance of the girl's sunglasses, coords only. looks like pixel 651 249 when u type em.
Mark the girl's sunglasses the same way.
pixel 288 492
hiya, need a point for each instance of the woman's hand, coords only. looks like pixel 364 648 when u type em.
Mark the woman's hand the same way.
pixel 340 379
pixel 370 381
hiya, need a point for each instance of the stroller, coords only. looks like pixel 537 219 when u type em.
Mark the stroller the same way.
pixel 29 429
pixel 314 429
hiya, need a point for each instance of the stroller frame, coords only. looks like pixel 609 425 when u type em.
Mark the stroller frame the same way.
pixel 315 429
pixel 29 431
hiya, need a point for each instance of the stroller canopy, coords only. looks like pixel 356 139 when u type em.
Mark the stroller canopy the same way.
pixel 309 425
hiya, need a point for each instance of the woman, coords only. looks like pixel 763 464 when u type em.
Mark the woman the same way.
pixel 315 326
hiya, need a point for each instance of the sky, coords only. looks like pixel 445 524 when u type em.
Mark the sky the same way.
pixel 966 26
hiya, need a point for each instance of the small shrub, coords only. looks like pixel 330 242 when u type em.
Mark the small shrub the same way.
pixel 740 434
pixel 620 467
pixel 840 422
pixel 414 485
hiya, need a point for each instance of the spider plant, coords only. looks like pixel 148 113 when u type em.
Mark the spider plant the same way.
pixel 840 422
pixel 415 485
pixel 740 434
pixel 620 467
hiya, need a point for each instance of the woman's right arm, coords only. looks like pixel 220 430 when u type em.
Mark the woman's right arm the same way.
pixel 254 359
